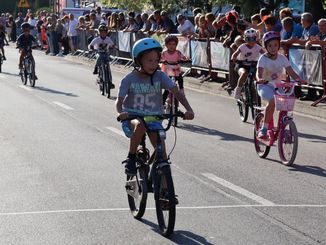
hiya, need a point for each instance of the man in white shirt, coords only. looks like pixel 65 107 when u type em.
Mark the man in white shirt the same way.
pixel 72 33
pixel 185 28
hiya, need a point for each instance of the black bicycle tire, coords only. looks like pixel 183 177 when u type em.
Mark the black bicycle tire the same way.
pixel 294 133
pixel 101 84
pixel 166 229
pixel 107 81
pixel 32 75
pixel 25 76
pixel 243 105
pixel 176 107
pixel 257 125
pixel 138 213
pixel 1 60
pixel 254 100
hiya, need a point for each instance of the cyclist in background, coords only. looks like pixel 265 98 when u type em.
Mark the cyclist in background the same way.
pixel 101 43
pixel 173 56
pixel 3 40
pixel 271 69
pixel 140 93
pixel 24 42
pixel 248 51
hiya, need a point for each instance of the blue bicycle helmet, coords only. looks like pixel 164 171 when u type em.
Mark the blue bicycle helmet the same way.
pixel 142 45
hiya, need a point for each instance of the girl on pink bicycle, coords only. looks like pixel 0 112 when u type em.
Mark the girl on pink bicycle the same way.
pixel 272 68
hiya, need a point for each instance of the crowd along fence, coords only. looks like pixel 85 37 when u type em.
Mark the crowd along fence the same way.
pixel 210 55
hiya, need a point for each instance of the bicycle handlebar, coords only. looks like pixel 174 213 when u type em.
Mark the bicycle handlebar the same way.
pixel 157 117
pixel 289 85
pixel 175 63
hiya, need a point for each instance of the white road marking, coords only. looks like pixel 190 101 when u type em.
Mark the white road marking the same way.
pixel 64 106
pixel 25 87
pixel 238 189
pixel 153 208
pixel 117 131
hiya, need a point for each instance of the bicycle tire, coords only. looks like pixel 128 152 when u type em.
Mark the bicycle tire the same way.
pixel 106 80
pixel 165 201
pixel 1 61
pixel 176 106
pixel 255 100
pixel 109 81
pixel 101 84
pixel 31 75
pixel 137 206
pixel 286 138
pixel 243 105
pixel 25 76
pixel 262 150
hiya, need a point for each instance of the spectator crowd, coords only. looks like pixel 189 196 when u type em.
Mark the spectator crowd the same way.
pixel 60 35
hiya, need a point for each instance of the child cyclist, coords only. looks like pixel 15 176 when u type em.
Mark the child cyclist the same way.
pixel 3 40
pixel 170 62
pixel 271 69
pixel 248 51
pixel 24 42
pixel 140 93
pixel 102 42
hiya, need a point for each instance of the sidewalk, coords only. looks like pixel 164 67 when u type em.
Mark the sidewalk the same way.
pixel 301 107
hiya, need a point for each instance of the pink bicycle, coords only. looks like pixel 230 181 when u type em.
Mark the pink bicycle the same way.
pixel 285 133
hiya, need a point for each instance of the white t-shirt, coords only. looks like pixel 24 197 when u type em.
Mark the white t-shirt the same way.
pixel 274 70
pixel 72 28
pixel 186 28
pixel 100 43
pixel 249 54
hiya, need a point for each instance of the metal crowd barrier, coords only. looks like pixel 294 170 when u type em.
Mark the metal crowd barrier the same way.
pixel 210 55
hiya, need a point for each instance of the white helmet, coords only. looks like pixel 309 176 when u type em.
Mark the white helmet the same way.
pixel 250 35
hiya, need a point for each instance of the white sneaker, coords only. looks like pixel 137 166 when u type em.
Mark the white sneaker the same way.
pixel 60 55
pixel 237 93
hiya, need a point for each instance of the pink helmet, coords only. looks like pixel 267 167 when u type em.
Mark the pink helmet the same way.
pixel 271 35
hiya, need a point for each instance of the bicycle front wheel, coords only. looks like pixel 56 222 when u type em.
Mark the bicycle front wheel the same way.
pixel 136 187
pixel 243 106
pixel 261 149
pixel 165 201
pixel 288 143
pixel 31 75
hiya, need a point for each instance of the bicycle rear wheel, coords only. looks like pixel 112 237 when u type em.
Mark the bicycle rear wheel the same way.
pixel 136 187
pixel 165 200
pixel 261 149
pixel 243 105
pixel 288 143
pixel 175 119
pixel 255 100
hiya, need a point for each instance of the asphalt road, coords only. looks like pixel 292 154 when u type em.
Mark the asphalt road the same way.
pixel 62 181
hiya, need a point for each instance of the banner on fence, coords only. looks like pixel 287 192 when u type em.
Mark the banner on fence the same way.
pixel 183 45
pixel 307 63
pixel 199 53
pixel 220 56
pixel 124 41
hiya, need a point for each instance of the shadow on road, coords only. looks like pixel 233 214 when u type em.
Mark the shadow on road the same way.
pixel 313 138
pixel 55 91
pixel 308 169
pixel 180 237
pixel 11 74
pixel 207 131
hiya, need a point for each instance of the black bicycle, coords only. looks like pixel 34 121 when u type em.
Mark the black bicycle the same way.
pixel 249 96
pixel 153 175
pixel 104 74
pixel 27 72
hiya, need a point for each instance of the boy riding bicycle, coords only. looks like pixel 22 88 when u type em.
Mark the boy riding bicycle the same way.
pixel 25 42
pixel 101 43
pixel 272 68
pixel 248 51
pixel 140 93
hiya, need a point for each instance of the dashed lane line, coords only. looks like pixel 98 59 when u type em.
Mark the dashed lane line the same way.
pixel 64 106
pixel 25 87
pixel 238 189
pixel 115 130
